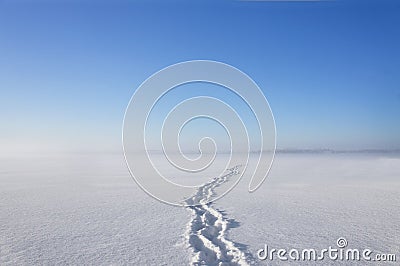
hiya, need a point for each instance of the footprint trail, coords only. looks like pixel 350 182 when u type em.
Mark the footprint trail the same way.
pixel 206 231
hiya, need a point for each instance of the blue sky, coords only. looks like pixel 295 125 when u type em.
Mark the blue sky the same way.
pixel 329 69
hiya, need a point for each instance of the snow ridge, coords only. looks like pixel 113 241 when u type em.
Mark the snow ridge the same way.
pixel 206 232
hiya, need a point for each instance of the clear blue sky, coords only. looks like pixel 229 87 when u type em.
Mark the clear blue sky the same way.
pixel 330 69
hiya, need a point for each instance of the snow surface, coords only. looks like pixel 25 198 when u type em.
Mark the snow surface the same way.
pixel 310 200
pixel 86 209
